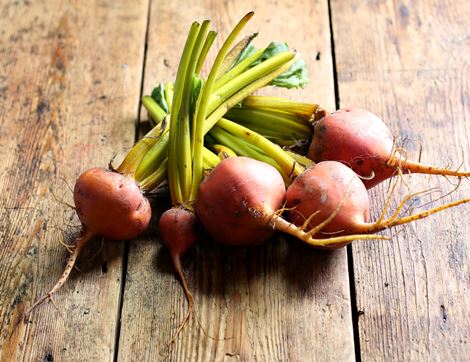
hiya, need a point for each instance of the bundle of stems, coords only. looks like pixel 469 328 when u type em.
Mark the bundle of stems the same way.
pixel 195 116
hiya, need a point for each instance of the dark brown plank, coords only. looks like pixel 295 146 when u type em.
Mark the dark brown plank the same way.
pixel 70 76
pixel 279 301
pixel 408 62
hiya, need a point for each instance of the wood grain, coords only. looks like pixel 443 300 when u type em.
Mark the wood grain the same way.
pixel 280 301
pixel 70 76
pixel 408 61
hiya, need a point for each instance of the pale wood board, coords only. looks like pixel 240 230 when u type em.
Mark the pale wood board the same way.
pixel 408 62
pixel 279 301
pixel 70 75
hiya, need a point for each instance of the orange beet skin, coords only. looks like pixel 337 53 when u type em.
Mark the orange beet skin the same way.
pixel 362 141
pixel 357 138
pixel 237 198
pixel 111 204
pixel 322 187
pixel 179 229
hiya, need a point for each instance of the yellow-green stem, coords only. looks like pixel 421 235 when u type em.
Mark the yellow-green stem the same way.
pixel 306 110
pixel 156 177
pixel 154 156
pixel 234 54
pixel 223 151
pixel 227 90
pixel 174 179
pixel 210 158
pixel 243 148
pixel 285 123
pixel 133 158
pixel 169 92
pixel 184 119
pixel 238 69
pixel 287 163
pixel 205 49
pixel 304 161
pixel 203 105
pixel 243 93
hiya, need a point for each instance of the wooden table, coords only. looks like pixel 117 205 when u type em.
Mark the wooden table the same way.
pixel 71 76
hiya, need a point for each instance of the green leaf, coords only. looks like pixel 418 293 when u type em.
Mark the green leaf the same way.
pixel 234 54
pixel 245 53
pixel 295 77
pixel 158 95
pixel 273 49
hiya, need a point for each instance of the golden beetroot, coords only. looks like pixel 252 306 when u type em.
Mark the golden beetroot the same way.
pixel 108 204
pixel 320 189
pixel 329 199
pixel 362 141
pixel 240 204
pixel 237 199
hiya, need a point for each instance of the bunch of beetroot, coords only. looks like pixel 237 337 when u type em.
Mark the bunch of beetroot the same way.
pixel 113 203
pixel 243 166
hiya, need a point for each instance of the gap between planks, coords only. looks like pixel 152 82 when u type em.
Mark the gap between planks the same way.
pixel 125 257
pixel 349 254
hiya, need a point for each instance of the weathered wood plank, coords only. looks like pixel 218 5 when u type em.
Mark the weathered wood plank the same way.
pixel 70 76
pixel 408 62
pixel 279 301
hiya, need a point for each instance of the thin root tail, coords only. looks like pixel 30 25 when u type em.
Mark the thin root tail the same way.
pixel 416 167
pixel 82 239
pixel 283 225
pixel 395 221
pixel 382 221
pixel 191 310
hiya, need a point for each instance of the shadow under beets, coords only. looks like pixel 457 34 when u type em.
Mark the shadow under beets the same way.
pixel 217 270
pixel 212 268
pixel 95 256
pixel 305 265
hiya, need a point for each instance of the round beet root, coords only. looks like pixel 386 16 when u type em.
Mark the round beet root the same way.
pixel 237 199
pixel 362 141
pixel 108 204
pixel 179 230
pixel 320 190
pixel 357 138
pixel 329 201
pixel 111 204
